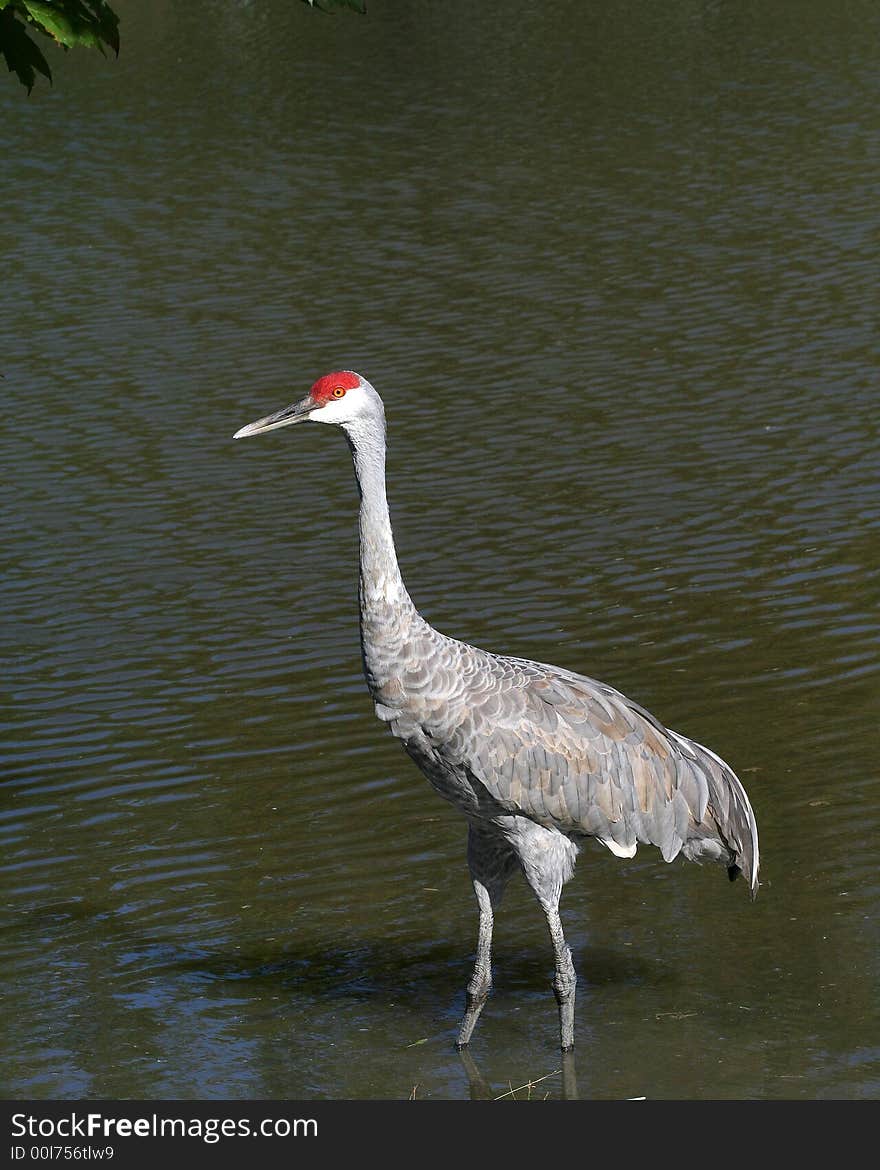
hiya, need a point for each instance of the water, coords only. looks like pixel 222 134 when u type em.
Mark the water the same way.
pixel 613 268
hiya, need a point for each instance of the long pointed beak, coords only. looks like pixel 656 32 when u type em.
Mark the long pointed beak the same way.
pixel 299 412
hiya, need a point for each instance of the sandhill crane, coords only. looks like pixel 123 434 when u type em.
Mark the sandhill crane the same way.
pixel 537 758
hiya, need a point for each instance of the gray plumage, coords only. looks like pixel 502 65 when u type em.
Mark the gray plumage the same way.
pixel 536 757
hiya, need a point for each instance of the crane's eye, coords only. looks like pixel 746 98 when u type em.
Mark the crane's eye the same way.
pixel 338 391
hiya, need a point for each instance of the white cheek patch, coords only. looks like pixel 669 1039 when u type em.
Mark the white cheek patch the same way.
pixel 329 413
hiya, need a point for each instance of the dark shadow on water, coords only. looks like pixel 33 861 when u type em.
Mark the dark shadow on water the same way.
pixel 369 969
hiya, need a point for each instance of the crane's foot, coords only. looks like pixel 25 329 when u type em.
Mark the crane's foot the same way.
pixel 476 1001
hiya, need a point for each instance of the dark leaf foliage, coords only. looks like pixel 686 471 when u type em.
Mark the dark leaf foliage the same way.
pixel 21 55
pixel 89 23
pixel 67 22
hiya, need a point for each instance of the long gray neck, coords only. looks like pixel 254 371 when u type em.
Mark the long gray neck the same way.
pixel 381 585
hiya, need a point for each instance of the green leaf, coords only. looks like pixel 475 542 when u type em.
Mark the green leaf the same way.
pixel 91 23
pixel 20 53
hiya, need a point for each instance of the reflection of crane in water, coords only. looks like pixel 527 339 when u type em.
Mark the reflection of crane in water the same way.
pixel 537 758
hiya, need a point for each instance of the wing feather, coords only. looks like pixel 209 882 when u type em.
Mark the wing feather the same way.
pixel 574 754
pixel 565 750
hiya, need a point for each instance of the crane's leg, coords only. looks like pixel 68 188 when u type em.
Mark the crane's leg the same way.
pixel 491 863
pixel 565 979
pixel 481 981
pixel 548 861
